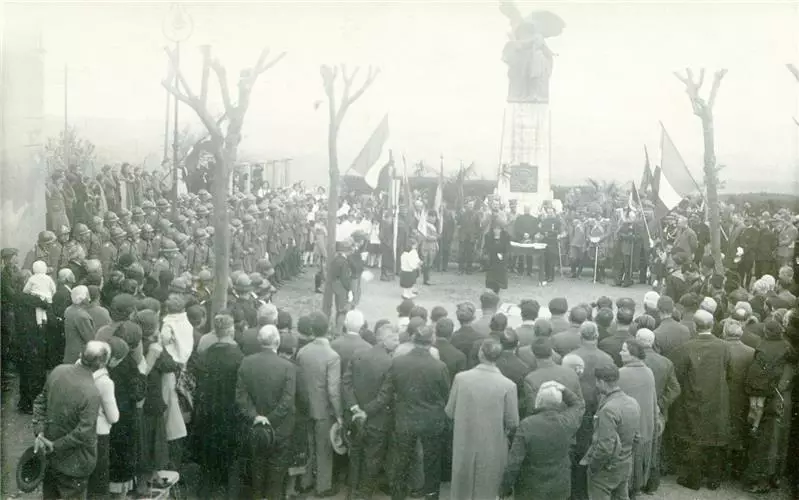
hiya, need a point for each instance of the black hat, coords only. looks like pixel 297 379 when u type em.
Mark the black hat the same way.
pixel 30 470
pixel 262 438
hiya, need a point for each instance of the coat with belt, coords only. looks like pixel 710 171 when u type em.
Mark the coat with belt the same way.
pixel 66 413
pixel 701 415
pixel 741 356
pixel 417 387
pixel 363 378
pixel 484 409
pixel 320 366
pixel 539 467
pixel 266 385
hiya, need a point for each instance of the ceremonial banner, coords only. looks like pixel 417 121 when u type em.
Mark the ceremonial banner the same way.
pixel 673 180
pixel 366 163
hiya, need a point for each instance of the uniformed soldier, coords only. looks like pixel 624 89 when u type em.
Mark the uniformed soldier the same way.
pixel 47 250
pixel 111 221
pixel 109 256
pixel 249 243
pixel 131 245
pixel 125 217
pixel 63 246
pixel 150 213
pixel 626 238
pixel 163 208
pixel 92 246
pixel 202 216
pixel 167 260
pixel 137 216
pixel 550 230
pixel 236 250
pixel 198 254
pixel 577 246
pixel 99 230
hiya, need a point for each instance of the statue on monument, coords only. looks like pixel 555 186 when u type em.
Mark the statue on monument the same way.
pixel 527 55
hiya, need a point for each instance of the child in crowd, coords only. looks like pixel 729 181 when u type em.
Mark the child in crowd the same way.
pixel 42 286
pixel 410 263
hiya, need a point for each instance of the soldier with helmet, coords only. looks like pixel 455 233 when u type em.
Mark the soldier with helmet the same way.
pixel 150 213
pixel 92 246
pixel 109 256
pixel 148 246
pixel 47 250
pixel 169 259
pixel 198 254
pixel 249 242
pixel 163 208
pixel 98 229
pixel 62 246
pixel 131 245
pixel 137 216
pixel 125 217
pixel 111 220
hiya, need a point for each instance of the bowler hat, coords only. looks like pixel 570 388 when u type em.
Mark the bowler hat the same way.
pixel 337 439
pixel 30 470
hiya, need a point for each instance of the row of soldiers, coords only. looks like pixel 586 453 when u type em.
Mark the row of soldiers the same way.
pixel 179 238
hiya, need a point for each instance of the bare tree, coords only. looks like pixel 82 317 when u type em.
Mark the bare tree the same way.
pixel 704 110
pixel 337 113
pixel 223 144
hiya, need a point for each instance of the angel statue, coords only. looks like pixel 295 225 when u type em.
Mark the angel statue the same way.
pixel 526 53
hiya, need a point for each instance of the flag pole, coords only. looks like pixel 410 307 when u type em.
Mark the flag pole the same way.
pixel 395 201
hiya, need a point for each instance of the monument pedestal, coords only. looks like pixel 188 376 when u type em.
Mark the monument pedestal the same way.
pixel 526 175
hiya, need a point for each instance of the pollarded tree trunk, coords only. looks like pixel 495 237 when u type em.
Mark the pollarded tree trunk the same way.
pixel 704 110
pixel 336 117
pixel 224 147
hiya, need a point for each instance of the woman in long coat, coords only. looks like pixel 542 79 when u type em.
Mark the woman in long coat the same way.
pixel 497 250
pixel 484 408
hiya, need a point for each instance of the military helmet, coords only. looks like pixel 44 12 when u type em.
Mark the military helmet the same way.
pixel 81 229
pixel 168 245
pixel 162 203
pixel 148 204
pixel 117 233
pixel 124 213
pixel 137 212
pixel 133 229
pixel 205 275
pixel 63 230
pixel 181 239
pixel 190 214
pixel 111 217
pixel 46 237
pixel 97 220
pixel 210 231
pixel 201 210
pixel 248 219
pixel 146 228
pixel 200 233
pixel 235 223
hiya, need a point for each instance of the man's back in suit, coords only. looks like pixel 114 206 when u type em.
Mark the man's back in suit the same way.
pixel 566 341
pixel 547 370
pixel 418 389
pixel 321 377
pixel 465 337
pixel 451 356
pixel 347 345
pixel 266 386
pixel 363 378
pixel 670 335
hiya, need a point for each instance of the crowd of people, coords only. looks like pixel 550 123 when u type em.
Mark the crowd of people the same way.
pixel 108 327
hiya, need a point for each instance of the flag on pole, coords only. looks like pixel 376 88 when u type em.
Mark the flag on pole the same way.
pixel 673 167
pixel 366 163
pixel 438 204
pixel 408 205
pixel 646 180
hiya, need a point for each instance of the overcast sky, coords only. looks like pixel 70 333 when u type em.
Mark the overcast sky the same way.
pixel 444 85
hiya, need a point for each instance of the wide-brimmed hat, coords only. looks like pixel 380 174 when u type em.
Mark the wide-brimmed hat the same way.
pixel 30 470
pixel 337 439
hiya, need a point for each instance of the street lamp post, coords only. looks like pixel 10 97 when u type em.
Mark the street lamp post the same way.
pixel 177 28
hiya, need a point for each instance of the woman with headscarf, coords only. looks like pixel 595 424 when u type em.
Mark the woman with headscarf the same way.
pixel 177 337
pixel 497 250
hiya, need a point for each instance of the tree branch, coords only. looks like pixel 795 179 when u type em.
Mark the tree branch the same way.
pixel 701 79
pixel 179 75
pixel 213 128
pixel 206 50
pixel 794 70
pixel 348 97
pixel 715 88
pixel 221 75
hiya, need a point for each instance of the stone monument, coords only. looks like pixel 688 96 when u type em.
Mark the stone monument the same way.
pixel 525 168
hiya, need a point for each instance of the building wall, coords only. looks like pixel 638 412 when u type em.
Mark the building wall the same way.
pixel 22 171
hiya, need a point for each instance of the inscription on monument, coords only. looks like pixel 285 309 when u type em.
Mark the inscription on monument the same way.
pixel 523 178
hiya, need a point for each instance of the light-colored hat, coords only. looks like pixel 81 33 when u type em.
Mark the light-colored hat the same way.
pixel 337 439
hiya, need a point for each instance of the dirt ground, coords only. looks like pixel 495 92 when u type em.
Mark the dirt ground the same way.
pixel 379 300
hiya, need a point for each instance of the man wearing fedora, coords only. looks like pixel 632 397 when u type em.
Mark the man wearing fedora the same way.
pixel 65 420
